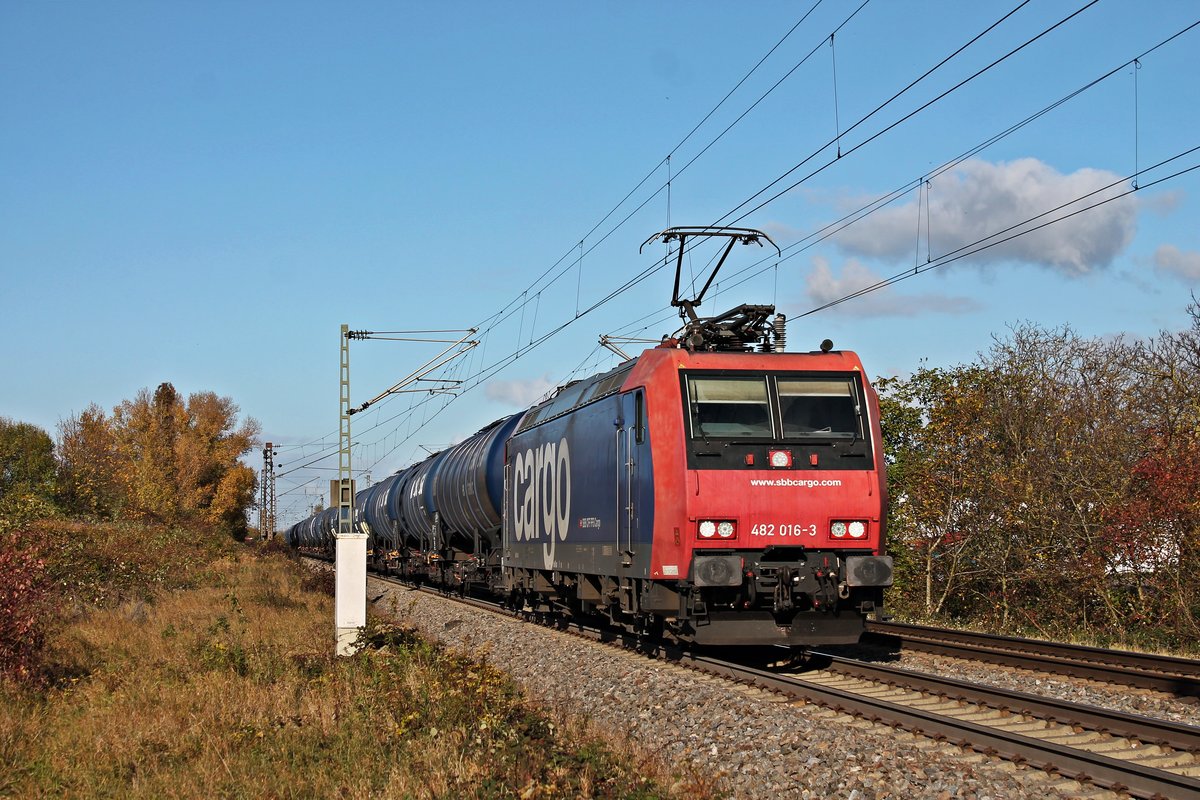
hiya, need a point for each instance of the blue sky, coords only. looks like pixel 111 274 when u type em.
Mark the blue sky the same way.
pixel 203 192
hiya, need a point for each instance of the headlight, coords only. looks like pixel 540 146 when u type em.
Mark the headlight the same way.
pixel 725 528
pixel 781 458
pixel 854 528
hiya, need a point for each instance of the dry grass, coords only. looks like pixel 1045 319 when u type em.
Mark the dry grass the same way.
pixel 230 689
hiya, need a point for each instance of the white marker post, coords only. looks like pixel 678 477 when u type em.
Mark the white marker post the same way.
pixel 350 585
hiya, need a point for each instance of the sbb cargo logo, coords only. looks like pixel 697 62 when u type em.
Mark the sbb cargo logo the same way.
pixel 541 478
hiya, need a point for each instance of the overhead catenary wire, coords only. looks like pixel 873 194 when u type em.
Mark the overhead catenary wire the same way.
pixel 480 372
pixel 512 306
pixel 1019 228
pixel 1014 231
pixel 913 83
pixel 687 137
pixel 509 309
pixel 871 207
pixel 903 119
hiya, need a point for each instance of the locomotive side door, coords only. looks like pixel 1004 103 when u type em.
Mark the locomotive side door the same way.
pixel 630 444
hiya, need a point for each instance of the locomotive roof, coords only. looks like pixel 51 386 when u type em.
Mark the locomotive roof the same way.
pixel 578 393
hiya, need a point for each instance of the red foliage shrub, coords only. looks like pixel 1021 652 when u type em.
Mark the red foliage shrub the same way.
pixel 1153 527
pixel 24 606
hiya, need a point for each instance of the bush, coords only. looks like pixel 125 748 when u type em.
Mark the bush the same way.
pixel 321 581
pixel 275 546
pixel 98 564
pixel 88 566
pixel 24 591
pixel 214 692
pixel 24 610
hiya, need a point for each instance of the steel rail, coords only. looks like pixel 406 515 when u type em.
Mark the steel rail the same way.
pixel 1116 723
pixel 1168 674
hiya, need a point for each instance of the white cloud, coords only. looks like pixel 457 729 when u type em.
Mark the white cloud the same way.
pixel 1164 203
pixel 521 393
pixel 978 199
pixel 1183 264
pixel 781 232
pixel 823 287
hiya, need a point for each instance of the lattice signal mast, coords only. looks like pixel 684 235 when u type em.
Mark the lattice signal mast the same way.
pixel 266 503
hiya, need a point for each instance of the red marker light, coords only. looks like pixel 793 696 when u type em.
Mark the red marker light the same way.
pixel 812 459
pixel 749 459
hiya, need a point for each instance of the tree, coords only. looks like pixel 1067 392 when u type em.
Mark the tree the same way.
pixel 1066 437
pixel 159 457
pixel 1154 537
pixel 27 463
pixel 146 430
pixel 938 463
pixel 1053 484
pixel 1000 472
pixel 1153 534
pixel 210 479
pixel 27 471
pixel 89 464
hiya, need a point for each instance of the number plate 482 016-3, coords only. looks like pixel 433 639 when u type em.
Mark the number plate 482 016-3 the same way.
pixel 791 529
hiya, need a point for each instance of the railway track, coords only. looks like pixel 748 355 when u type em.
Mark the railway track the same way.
pixel 1110 750
pixel 1176 676
pixel 1118 751
pixel 1125 753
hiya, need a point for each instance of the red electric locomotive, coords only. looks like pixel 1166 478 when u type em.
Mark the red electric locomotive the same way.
pixel 703 490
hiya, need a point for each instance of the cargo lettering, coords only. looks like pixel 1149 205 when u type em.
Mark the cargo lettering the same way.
pixel 541 478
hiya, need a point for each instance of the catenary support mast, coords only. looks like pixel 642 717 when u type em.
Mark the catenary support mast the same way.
pixel 266 504
pixel 350 593
pixel 350 543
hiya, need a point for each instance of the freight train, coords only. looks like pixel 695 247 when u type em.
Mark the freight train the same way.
pixel 713 490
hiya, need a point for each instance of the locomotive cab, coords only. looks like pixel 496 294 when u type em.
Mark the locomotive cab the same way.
pixel 773 514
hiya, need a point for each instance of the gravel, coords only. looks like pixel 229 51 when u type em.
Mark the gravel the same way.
pixel 754 744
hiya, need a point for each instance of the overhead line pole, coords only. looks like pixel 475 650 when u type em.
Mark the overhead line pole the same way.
pixel 350 546
pixel 266 505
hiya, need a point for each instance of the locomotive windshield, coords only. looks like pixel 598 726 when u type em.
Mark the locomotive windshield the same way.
pixel 775 407
pixel 818 407
pixel 730 407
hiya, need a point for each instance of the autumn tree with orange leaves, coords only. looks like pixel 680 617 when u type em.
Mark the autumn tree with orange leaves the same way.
pixel 88 468
pixel 160 457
